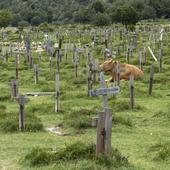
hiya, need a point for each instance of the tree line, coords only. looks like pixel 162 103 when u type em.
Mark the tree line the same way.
pixel 97 12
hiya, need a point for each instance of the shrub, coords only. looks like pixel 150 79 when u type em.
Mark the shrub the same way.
pixel 101 19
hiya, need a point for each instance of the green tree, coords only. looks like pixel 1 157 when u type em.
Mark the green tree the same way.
pixel 5 18
pixel 148 12
pixel 35 21
pixel 126 15
pixel 15 20
pixel 101 19
pixel 98 6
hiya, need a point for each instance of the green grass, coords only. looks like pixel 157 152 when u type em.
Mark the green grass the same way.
pixel 140 136
pixel 74 153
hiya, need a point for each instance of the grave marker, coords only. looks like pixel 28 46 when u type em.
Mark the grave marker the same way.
pixel 104 125
pixel 151 79
pixel 57 86
pixel 36 73
pixel 160 60
pixel 131 85
pixel 16 65
pixel 22 100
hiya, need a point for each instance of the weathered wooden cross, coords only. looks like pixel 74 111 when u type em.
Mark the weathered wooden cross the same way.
pixel 104 125
pixel 22 100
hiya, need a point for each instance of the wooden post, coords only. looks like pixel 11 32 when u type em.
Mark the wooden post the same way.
pixel 76 69
pixel 14 89
pixel 144 55
pixel 117 82
pixel 16 65
pixel 131 83
pixel 57 101
pixel 100 145
pixel 89 78
pixel 51 65
pixel 59 51
pixel 58 63
pixel 128 55
pixel 74 52
pixel 6 57
pixel 95 70
pixel 22 100
pixel 151 79
pixel 65 52
pixel 108 133
pixel 140 60
pixel 36 73
pixel 160 60
pixel 31 62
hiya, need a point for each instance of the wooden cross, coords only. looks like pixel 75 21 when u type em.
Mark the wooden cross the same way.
pixel 22 100
pixel 104 91
pixel 104 126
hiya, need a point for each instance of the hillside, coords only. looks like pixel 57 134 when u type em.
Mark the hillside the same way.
pixel 70 11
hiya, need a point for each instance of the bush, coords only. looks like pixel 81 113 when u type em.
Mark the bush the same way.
pixel 101 19
pixel 35 21
pixel 23 24
pixel 45 27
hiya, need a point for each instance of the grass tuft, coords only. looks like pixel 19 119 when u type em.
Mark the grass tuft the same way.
pixel 162 151
pixel 79 119
pixel 75 152
pixel 9 123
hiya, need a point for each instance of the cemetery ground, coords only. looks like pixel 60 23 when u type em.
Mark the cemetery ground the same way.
pixel 140 137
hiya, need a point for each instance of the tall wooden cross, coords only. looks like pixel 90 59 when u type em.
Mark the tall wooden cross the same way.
pixel 104 126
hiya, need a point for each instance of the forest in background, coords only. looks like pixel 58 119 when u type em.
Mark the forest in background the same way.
pixel 35 12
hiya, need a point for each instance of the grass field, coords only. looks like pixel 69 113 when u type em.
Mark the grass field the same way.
pixel 141 135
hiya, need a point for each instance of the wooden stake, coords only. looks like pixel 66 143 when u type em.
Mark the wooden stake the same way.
pixel 22 100
pixel 57 85
pixel 151 79
pixel 131 82
pixel 36 73
pixel 16 65
pixel 14 89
